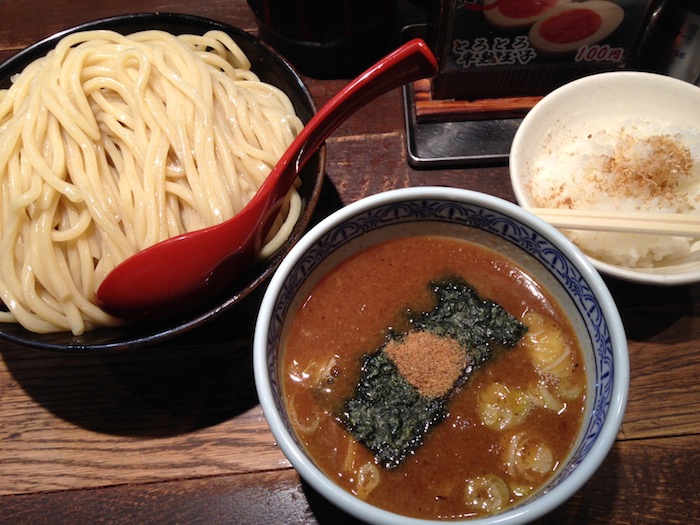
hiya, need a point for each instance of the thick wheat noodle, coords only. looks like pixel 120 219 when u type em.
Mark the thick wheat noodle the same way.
pixel 112 143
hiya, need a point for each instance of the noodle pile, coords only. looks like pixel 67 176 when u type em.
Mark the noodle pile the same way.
pixel 112 143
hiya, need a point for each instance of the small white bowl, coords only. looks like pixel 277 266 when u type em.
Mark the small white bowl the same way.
pixel 537 246
pixel 608 101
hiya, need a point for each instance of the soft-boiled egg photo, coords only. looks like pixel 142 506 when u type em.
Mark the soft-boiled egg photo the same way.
pixel 556 26
pixel 567 27
pixel 517 14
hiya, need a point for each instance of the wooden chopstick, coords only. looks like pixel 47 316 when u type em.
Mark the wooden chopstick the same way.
pixel 674 224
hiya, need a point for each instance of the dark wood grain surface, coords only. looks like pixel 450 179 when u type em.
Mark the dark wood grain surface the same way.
pixel 174 433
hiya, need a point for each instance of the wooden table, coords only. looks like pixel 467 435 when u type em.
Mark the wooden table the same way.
pixel 174 433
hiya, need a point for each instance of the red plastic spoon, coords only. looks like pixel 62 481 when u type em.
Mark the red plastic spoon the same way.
pixel 184 271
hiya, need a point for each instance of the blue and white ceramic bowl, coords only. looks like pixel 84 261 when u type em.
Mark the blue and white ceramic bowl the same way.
pixel 516 233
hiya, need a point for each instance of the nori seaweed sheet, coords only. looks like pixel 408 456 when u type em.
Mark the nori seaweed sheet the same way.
pixel 387 414
pixel 477 324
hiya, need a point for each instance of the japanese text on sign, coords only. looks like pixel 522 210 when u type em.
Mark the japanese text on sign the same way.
pixel 498 52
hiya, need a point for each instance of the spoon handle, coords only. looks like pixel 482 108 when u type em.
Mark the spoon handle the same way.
pixel 412 61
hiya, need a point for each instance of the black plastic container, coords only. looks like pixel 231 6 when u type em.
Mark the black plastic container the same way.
pixel 327 39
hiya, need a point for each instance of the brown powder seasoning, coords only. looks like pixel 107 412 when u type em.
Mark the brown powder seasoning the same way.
pixel 432 364
pixel 644 168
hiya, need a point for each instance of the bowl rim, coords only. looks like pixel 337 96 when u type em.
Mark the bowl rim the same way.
pixel 360 509
pixel 559 95
pixel 139 335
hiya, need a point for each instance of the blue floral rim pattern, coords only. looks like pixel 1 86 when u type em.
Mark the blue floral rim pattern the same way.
pixel 488 220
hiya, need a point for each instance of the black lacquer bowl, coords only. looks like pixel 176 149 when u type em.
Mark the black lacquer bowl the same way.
pixel 271 68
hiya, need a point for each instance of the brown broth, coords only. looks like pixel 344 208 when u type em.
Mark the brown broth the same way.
pixel 347 315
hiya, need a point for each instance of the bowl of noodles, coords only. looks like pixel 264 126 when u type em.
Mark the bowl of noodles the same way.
pixel 433 354
pixel 145 126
